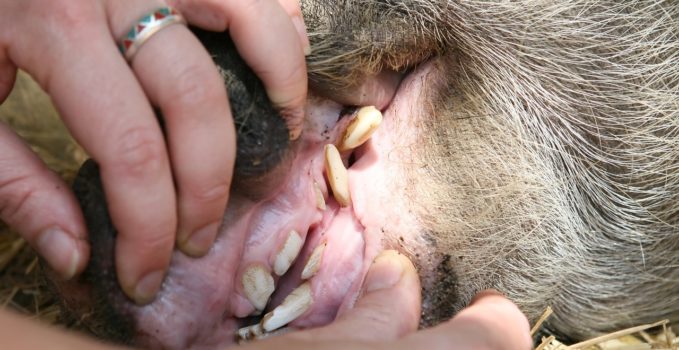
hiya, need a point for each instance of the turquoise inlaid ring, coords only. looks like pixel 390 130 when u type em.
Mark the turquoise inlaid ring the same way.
pixel 146 27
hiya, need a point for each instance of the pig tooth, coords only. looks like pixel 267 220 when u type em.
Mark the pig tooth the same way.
pixel 280 331
pixel 359 130
pixel 337 175
pixel 258 285
pixel 293 306
pixel 288 253
pixel 250 332
pixel 314 262
pixel 256 332
pixel 320 201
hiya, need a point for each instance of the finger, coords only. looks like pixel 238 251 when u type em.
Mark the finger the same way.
pixel 8 73
pixel 179 76
pixel 7 68
pixel 106 110
pixel 388 309
pixel 294 11
pixel 268 41
pixel 39 205
pixel 490 322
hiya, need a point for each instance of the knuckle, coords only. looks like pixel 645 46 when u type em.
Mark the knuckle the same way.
pixel 152 250
pixel 252 6
pixel 207 193
pixel 139 152
pixel 15 194
pixel 73 18
pixel 294 77
pixel 157 242
pixel 195 86
pixel 296 74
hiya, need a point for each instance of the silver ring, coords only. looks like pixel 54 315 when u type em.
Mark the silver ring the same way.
pixel 146 27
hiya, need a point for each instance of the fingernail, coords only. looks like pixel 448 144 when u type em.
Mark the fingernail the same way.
pixel 485 293
pixel 294 134
pixel 298 22
pixel 148 287
pixel 60 250
pixel 386 270
pixel 294 120
pixel 199 242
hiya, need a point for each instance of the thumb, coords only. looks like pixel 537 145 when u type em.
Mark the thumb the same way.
pixel 490 322
pixel 36 203
pixel 388 308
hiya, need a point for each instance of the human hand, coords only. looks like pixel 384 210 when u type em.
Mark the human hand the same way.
pixel 387 315
pixel 158 189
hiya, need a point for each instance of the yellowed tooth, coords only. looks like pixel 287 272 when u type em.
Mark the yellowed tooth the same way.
pixel 277 332
pixel 314 262
pixel 256 332
pixel 250 332
pixel 258 285
pixel 288 253
pixel 337 175
pixel 293 306
pixel 359 130
pixel 320 200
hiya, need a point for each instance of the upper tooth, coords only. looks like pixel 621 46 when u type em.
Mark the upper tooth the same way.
pixel 314 262
pixel 320 201
pixel 288 253
pixel 360 129
pixel 293 306
pixel 337 175
pixel 258 285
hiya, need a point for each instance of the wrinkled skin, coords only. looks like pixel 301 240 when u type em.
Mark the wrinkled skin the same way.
pixel 531 147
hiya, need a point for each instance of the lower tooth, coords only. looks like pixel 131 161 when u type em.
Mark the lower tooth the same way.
pixel 293 306
pixel 320 200
pixel 277 332
pixel 256 332
pixel 314 262
pixel 258 285
pixel 288 253
pixel 250 332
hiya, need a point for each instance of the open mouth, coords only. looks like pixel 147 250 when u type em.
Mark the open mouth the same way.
pixel 296 256
pixel 317 259
pixel 329 217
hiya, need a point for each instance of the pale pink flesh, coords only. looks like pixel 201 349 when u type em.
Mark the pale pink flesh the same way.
pixel 202 298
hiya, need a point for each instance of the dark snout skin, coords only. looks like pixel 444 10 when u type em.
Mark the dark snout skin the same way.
pixel 96 293
pixel 262 135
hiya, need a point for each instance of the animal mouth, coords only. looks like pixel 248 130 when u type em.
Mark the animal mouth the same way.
pixel 330 199
pixel 295 256
pixel 322 258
